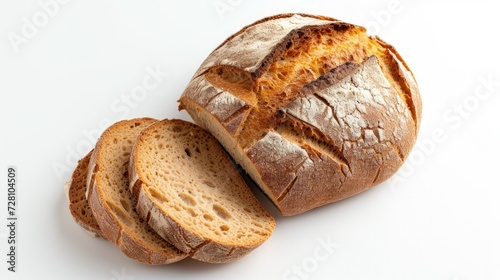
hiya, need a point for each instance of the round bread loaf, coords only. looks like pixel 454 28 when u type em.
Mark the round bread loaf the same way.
pixel 313 108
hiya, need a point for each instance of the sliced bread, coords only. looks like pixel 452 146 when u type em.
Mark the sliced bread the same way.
pixel 190 192
pixel 112 203
pixel 78 206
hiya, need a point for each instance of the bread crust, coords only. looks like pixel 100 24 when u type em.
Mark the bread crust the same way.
pixel 112 227
pixel 78 205
pixel 322 135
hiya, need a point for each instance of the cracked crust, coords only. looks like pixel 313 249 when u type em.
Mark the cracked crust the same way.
pixel 311 107
pixel 112 203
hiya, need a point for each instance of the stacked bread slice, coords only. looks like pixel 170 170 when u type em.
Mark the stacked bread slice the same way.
pixel 165 190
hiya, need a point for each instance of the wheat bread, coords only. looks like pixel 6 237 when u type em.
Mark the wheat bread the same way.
pixel 75 189
pixel 190 192
pixel 313 108
pixel 112 203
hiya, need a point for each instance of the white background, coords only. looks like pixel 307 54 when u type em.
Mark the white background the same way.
pixel 77 70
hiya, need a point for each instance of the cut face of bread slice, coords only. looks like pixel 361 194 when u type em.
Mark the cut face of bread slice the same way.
pixel 191 193
pixel 113 204
pixel 78 205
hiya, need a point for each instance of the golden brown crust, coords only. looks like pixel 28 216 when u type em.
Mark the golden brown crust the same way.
pixel 334 111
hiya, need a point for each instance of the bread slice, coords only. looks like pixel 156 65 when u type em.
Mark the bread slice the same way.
pixel 78 205
pixel 190 192
pixel 113 205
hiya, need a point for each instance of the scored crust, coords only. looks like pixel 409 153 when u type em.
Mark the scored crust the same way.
pixel 113 205
pixel 311 107
pixel 78 205
pixel 190 192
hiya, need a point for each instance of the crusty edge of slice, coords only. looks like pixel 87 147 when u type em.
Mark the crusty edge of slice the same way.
pixel 70 185
pixel 88 229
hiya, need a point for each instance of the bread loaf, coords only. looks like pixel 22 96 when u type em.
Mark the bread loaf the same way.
pixel 313 108
pixel 190 192
pixel 112 203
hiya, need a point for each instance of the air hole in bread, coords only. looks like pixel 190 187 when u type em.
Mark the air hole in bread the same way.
pixel 209 184
pixel 208 217
pixel 188 199
pixel 257 224
pixel 192 212
pixel 176 128
pixel 125 205
pixel 224 227
pixel 221 212
pixel 188 152
pixel 258 232
pixel 118 211
pixel 155 194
